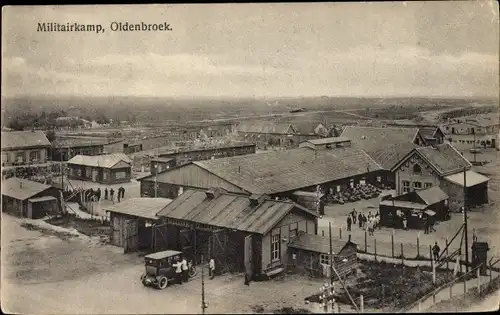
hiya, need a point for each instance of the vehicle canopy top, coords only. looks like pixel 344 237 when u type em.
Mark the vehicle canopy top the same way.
pixel 162 255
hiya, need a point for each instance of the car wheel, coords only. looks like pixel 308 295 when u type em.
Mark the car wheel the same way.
pixel 143 277
pixel 162 283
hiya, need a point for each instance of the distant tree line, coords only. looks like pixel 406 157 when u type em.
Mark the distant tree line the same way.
pixel 48 120
pixel 467 111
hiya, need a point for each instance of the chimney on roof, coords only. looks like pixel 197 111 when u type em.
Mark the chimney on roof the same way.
pixel 213 193
pixel 21 185
pixel 256 199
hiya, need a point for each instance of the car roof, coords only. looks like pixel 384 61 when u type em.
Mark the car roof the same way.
pixel 164 254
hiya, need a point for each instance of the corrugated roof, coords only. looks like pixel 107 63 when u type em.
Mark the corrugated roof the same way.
pixel 41 199
pixel 229 211
pixel 317 243
pixel 472 178
pixel 162 160
pixel 106 161
pixel 22 189
pixel 432 195
pixel 23 139
pixel 265 127
pixel 78 142
pixel 140 207
pixel 403 204
pixel 444 157
pixel 328 140
pixel 281 171
pixel 385 145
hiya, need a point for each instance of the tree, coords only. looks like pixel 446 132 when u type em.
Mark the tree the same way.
pixel 51 135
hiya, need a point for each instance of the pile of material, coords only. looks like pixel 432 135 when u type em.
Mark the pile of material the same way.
pixel 367 191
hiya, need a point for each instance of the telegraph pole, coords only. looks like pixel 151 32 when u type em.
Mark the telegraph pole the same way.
pixel 203 304
pixel 465 222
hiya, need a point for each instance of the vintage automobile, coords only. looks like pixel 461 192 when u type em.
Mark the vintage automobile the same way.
pixel 159 269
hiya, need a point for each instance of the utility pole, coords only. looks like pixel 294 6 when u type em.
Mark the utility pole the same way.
pixel 474 148
pixel 331 252
pixel 465 222
pixel 203 304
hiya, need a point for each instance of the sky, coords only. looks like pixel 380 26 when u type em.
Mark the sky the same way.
pixel 378 49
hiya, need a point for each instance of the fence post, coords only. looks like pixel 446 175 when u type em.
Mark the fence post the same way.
pixel 451 290
pixel 402 254
pixel 419 307
pixel 418 244
pixel 430 252
pixel 361 304
pixel 392 243
pixel 322 232
pixel 366 247
pixel 340 232
pixel 447 260
pixel 465 285
pixel 491 271
pixel 433 297
pixel 433 271
pixel 478 273
pixel 375 246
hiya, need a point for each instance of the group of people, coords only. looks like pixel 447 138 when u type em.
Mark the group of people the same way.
pixel 365 222
pixel 95 195
pixel 181 270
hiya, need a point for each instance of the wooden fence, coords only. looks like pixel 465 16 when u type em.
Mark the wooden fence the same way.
pixel 465 277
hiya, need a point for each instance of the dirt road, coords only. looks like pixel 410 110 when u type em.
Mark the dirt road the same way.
pixel 47 274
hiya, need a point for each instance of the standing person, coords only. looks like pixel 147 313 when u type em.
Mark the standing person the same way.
pixel 364 221
pixel 106 193
pixel 435 251
pixel 112 195
pixel 349 222
pixel 211 268
pixel 98 194
pixel 474 236
pixel 426 226
pixel 354 213
pixel 123 192
pixel 360 220
pixel 405 223
pixel 185 271
pixel 178 271
pixel 119 194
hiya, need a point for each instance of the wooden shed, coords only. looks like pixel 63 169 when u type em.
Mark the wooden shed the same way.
pixel 134 223
pixel 106 169
pixel 30 199
pixel 309 254
pixel 430 203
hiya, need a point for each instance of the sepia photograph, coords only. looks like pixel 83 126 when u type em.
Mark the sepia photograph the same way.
pixel 251 158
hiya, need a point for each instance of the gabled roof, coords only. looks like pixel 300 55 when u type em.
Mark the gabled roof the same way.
pixel 431 195
pixel 24 139
pixel 106 161
pixel 428 132
pixel 443 158
pixel 140 207
pixel 281 171
pixel 227 210
pixel 22 189
pixel 384 144
pixel 266 127
pixel 318 243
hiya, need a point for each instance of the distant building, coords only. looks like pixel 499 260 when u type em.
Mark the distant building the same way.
pixel 269 133
pixel 441 165
pixel 29 199
pixel 480 131
pixel 23 148
pixel 64 149
pixel 106 169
